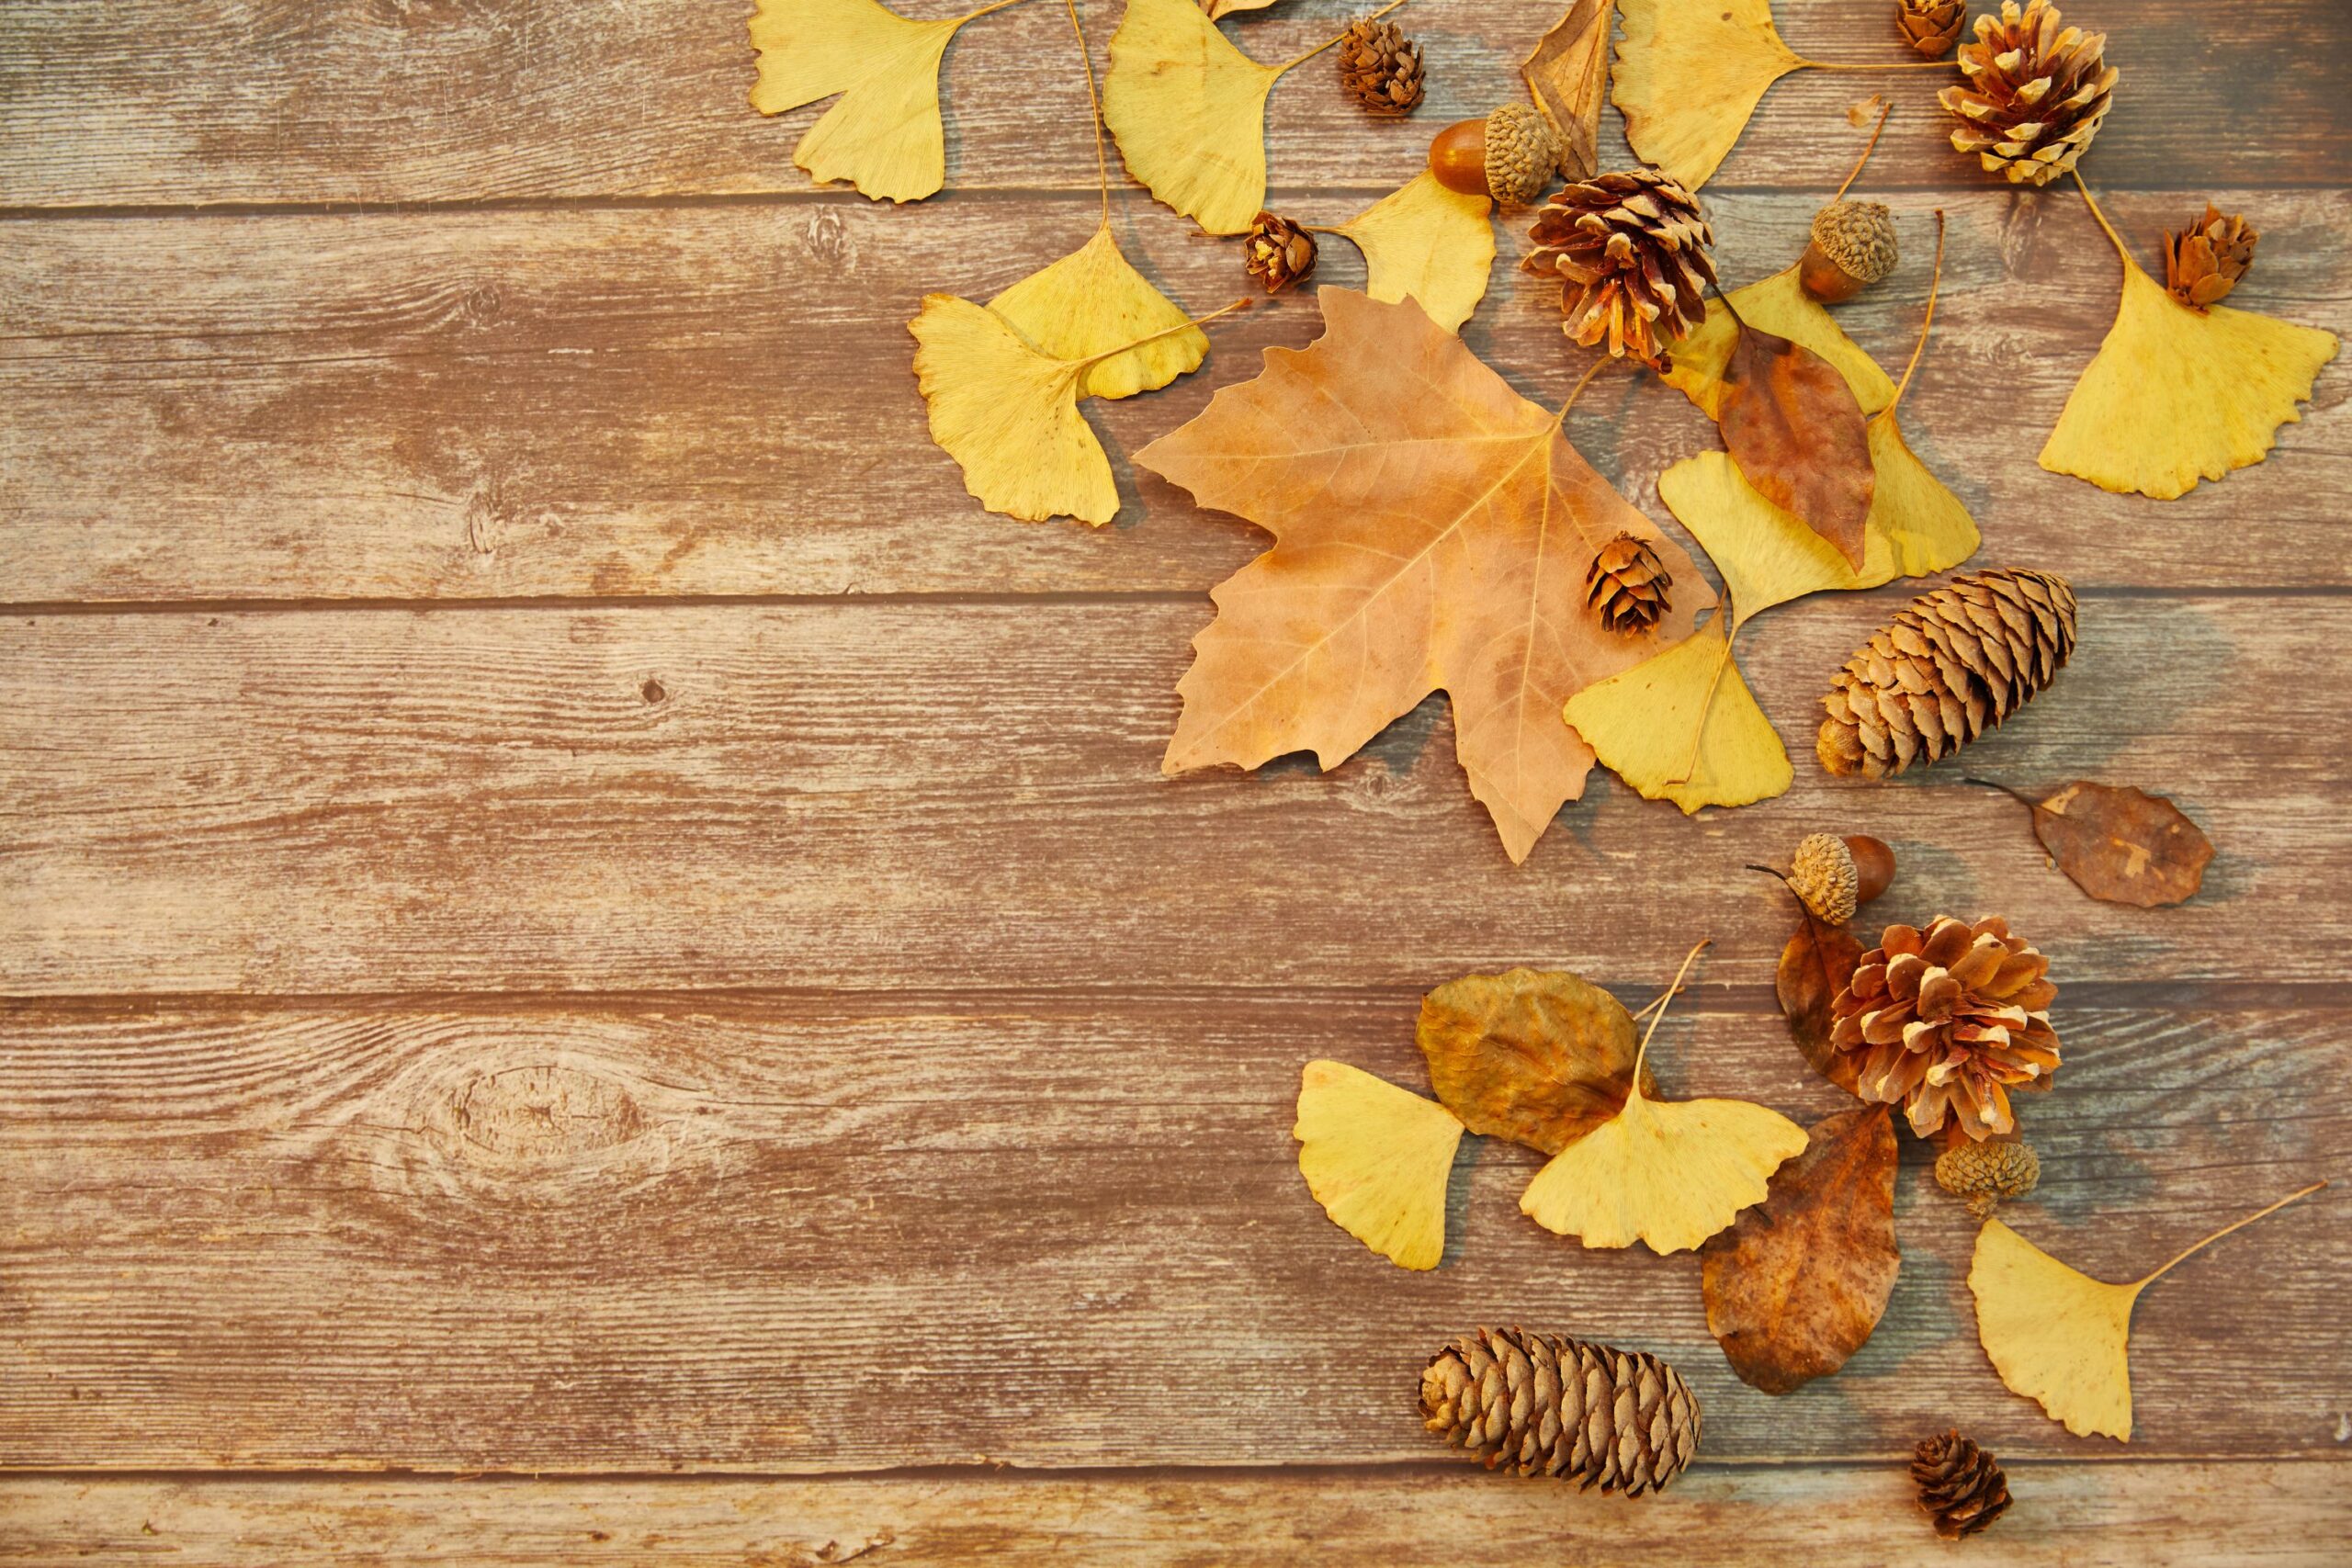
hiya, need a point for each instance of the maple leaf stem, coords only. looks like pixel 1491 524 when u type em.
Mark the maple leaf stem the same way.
pixel 1094 113
pixel 1335 38
pixel 1672 990
pixel 1094 359
pixel 1577 391
pixel 2113 238
pixel 2199 1246
pixel 1935 282
pixel 1870 147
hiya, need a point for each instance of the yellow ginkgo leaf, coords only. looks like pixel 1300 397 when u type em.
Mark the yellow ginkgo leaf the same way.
pixel 2060 1337
pixel 1669 1173
pixel 1689 74
pixel 1188 111
pixel 1377 1157
pixel 1428 244
pixel 2174 396
pixel 885 136
pixel 1009 416
pixel 1092 301
pixel 1642 724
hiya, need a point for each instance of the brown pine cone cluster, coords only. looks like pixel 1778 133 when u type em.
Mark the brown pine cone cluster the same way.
pixel 1277 252
pixel 2035 93
pixel 1627 585
pixel 1960 1485
pixel 1632 252
pixel 1380 66
pixel 1944 1023
pixel 1954 663
pixel 1542 1405
pixel 2204 261
pixel 1930 25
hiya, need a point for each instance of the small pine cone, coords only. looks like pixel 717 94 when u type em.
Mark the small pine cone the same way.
pixel 1984 1174
pixel 1627 585
pixel 2205 260
pixel 2035 93
pixel 1632 251
pixel 1542 1405
pixel 1930 25
pixel 1277 252
pixel 1823 877
pixel 1960 1485
pixel 1951 665
pixel 1944 1023
pixel 1381 67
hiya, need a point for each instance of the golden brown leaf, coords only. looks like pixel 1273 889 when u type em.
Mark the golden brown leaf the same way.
pixel 1377 1157
pixel 1539 1058
pixel 1568 75
pixel 1815 966
pixel 1432 530
pixel 1794 427
pixel 2122 845
pixel 1800 1280
pixel 1187 110
pixel 1689 74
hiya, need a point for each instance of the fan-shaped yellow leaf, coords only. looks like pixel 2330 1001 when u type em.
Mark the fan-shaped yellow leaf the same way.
pixel 1643 724
pixel 884 137
pixel 1377 1157
pixel 2174 397
pixel 1776 304
pixel 1009 416
pixel 1089 302
pixel 2053 1333
pixel 1689 74
pixel 1427 244
pixel 1188 111
pixel 1670 1173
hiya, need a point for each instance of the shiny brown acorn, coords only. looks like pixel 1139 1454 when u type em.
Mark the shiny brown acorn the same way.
pixel 1511 156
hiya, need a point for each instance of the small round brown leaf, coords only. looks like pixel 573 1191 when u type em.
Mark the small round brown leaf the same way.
pixel 2123 845
pixel 1539 1057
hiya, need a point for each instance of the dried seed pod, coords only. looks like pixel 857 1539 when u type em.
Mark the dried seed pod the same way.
pixel 1627 585
pixel 1961 1485
pixel 2204 261
pixel 1379 67
pixel 1930 25
pixel 1630 250
pixel 1277 252
pixel 1823 877
pixel 1511 156
pixel 1853 246
pixel 1543 1404
pixel 1984 1174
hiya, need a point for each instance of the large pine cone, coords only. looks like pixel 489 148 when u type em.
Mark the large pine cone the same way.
pixel 1946 1021
pixel 1626 585
pixel 2204 261
pixel 2035 93
pixel 1632 251
pixel 1380 66
pixel 1542 1405
pixel 1960 1485
pixel 1953 663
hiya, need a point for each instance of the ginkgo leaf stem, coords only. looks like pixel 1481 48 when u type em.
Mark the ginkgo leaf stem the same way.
pixel 1805 64
pixel 2113 238
pixel 975 15
pixel 1935 282
pixel 1707 702
pixel 1870 147
pixel 1094 113
pixel 1335 38
pixel 1672 990
pixel 2199 1246
pixel 1093 359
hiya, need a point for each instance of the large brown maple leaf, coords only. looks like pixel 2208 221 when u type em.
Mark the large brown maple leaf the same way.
pixel 1433 529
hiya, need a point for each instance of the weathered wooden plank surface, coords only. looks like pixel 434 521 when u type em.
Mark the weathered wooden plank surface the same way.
pixel 200 101
pixel 883 796
pixel 2083 1517
pixel 1046 1229
pixel 720 401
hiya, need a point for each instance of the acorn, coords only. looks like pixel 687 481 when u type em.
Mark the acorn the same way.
pixel 1511 156
pixel 1833 876
pixel 1853 247
pixel 1873 865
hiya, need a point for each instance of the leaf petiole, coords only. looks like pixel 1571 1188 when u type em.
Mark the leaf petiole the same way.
pixel 1673 991
pixel 1872 146
pixel 1093 359
pixel 2199 1246
pixel 1935 282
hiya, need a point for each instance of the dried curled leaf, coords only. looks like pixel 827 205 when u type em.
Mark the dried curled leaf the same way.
pixel 1187 110
pixel 1800 1281
pixel 885 135
pixel 1377 1157
pixel 1815 966
pixel 1426 244
pixel 1689 74
pixel 1089 302
pixel 1213 10
pixel 2122 845
pixel 1568 75
pixel 1777 304
pixel 1795 428
pixel 1539 1058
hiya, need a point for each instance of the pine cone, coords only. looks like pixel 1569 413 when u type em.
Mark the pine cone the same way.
pixel 1930 25
pixel 1381 66
pixel 1823 877
pixel 1960 1485
pixel 1627 585
pixel 1984 1174
pixel 1635 248
pixel 1542 1405
pixel 1948 1021
pixel 1277 252
pixel 1955 661
pixel 2035 95
pixel 2204 261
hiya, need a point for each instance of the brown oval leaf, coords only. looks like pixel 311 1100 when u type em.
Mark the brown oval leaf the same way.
pixel 2123 845
pixel 1539 1057
pixel 1568 75
pixel 1814 967
pixel 1792 425
pixel 1799 1281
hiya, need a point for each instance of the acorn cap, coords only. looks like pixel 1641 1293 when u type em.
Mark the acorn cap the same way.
pixel 1859 236
pixel 1823 877
pixel 1522 154
pixel 1984 1174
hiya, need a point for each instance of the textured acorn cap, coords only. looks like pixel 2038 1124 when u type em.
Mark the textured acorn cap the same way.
pixel 1823 877
pixel 1859 236
pixel 1522 155
pixel 1985 1173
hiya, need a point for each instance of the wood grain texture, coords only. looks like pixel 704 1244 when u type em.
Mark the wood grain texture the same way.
pixel 206 101
pixel 719 401
pixel 802 1235
pixel 2082 1517
pixel 881 796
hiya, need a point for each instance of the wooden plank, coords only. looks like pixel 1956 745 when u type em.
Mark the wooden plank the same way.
pixel 2080 1516
pixel 720 401
pixel 808 1234
pixel 176 102
pixel 883 796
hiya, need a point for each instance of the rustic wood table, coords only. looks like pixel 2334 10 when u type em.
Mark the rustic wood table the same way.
pixel 600 968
